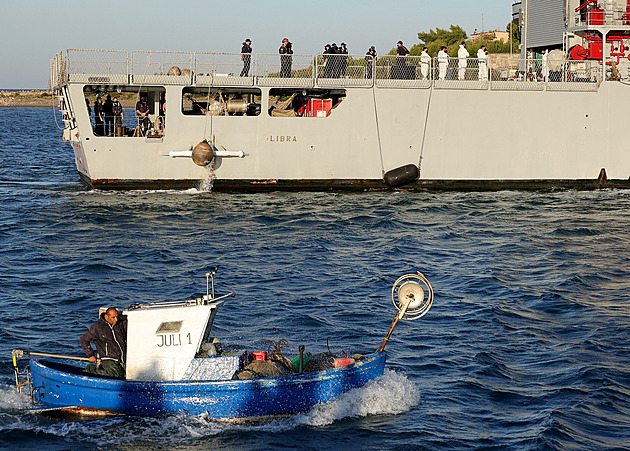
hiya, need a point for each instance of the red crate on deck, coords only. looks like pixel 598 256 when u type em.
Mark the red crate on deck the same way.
pixel 318 108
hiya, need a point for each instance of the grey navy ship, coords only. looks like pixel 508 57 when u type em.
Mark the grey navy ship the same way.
pixel 553 115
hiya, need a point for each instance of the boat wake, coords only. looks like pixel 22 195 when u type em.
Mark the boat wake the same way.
pixel 389 394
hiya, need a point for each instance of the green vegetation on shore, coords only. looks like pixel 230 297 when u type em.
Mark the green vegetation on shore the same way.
pixel 451 38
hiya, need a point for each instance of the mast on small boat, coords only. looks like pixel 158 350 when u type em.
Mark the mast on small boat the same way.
pixel 408 296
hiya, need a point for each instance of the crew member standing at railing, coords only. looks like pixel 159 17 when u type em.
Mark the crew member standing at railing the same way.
pixel 482 54
pixel 370 59
pixel 108 116
pixel 327 63
pixel 545 66
pixel 343 59
pixel 98 116
pixel 286 58
pixel 246 56
pixel 334 61
pixel 401 53
pixel 442 63
pixel 462 55
pixel 119 116
pixel 425 62
pixel 142 112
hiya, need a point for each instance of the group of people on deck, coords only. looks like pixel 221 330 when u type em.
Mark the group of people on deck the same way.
pixel 335 61
pixel 108 115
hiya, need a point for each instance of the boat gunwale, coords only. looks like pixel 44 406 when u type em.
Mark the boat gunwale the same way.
pixel 371 360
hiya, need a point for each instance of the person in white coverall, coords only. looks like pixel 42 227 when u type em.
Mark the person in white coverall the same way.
pixel 545 66
pixel 442 63
pixel 425 62
pixel 482 57
pixel 463 55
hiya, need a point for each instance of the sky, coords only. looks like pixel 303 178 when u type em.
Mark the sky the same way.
pixel 33 31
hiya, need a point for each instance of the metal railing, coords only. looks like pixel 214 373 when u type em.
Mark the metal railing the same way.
pixel 461 73
pixel 302 71
pixel 597 17
pixel 392 71
pixel 169 68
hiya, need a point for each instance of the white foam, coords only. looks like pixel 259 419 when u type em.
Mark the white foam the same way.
pixel 390 394
pixel 11 399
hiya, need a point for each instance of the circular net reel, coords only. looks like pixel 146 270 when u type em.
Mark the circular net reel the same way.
pixel 412 295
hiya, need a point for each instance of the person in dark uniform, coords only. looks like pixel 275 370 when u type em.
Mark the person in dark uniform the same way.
pixel 98 116
pixel 343 59
pixel 334 61
pixel 286 58
pixel 109 335
pixel 246 56
pixel 327 63
pixel 108 115
pixel 119 116
pixel 89 108
pixel 370 59
pixel 401 65
pixel 142 113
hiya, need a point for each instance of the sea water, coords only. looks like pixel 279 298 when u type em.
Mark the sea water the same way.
pixel 527 345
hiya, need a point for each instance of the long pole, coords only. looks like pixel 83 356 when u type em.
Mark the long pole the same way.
pixel 42 354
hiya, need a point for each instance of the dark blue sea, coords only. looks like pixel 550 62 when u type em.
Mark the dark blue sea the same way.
pixel 527 345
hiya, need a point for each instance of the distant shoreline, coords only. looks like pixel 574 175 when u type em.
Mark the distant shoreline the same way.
pixel 40 98
pixel 33 98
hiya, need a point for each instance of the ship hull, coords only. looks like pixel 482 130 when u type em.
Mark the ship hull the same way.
pixel 61 386
pixel 485 136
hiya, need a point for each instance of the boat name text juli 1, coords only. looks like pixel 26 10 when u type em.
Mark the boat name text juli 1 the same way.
pixel 172 340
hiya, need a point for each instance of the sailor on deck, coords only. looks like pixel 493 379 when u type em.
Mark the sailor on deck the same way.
pixel 482 58
pixel 463 55
pixel 442 63
pixel 425 62
pixel 109 335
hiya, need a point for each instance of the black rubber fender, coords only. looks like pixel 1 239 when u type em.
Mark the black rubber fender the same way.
pixel 401 176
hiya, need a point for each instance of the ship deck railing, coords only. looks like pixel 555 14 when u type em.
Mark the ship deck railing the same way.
pixel 619 19
pixel 109 69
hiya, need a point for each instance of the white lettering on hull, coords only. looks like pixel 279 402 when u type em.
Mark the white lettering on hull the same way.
pixel 282 139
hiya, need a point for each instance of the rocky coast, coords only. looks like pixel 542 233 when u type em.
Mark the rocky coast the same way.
pixel 40 98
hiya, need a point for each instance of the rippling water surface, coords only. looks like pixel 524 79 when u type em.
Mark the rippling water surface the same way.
pixel 527 345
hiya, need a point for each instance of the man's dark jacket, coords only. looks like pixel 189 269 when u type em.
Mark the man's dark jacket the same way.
pixel 110 341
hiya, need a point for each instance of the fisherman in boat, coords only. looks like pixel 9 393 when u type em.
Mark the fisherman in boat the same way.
pixel 109 335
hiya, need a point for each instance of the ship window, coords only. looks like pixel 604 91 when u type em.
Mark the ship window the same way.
pixel 129 124
pixel 198 101
pixel 169 327
pixel 304 102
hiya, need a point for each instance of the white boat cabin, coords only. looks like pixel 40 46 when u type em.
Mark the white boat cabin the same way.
pixel 172 342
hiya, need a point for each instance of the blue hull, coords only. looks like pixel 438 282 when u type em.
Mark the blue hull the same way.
pixel 60 385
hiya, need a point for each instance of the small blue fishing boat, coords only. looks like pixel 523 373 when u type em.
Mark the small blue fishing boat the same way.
pixel 175 366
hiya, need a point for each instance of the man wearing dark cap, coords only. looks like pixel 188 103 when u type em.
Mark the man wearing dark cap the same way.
pixel 343 60
pixel 286 60
pixel 401 64
pixel 246 56
pixel 370 59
